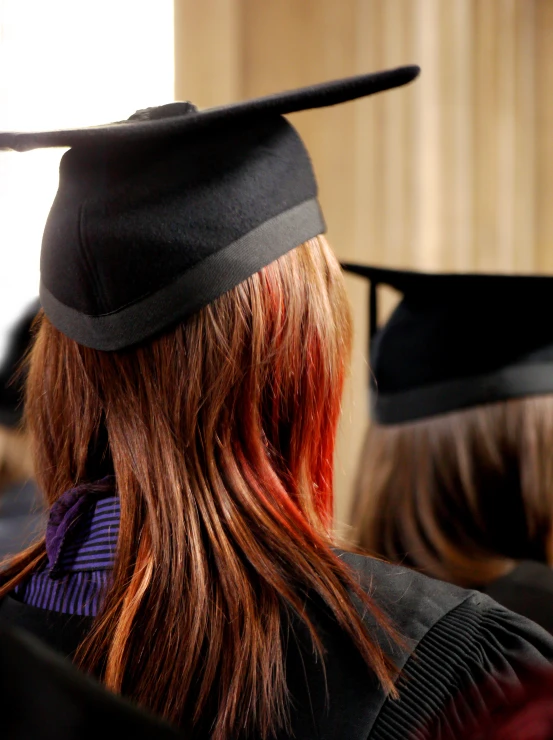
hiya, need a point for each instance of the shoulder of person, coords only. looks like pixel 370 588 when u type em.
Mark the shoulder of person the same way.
pixel 414 601
pixel 459 646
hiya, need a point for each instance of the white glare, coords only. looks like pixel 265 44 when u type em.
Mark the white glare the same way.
pixel 66 63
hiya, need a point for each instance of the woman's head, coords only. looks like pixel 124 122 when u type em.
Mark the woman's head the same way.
pixel 220 431
pixel 460 495
pixel 455 475
pixel 220 434
pixel 250 383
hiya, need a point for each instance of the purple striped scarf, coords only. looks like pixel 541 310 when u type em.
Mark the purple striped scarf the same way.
pixel 81 540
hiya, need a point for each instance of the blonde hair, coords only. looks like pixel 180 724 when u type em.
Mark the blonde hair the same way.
pixel 463 495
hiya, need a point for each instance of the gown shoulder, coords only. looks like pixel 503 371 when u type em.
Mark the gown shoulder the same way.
pixel 463 648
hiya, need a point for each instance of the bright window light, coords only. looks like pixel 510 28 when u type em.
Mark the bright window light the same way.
pixel 66 63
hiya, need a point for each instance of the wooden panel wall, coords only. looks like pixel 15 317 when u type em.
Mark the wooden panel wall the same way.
pixel 454 172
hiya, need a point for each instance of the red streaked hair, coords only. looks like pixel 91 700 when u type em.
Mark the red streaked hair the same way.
pixel 221 434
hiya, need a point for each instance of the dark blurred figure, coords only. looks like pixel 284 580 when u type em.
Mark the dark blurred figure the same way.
pixel 21 509
pixel 43 697
pixel 456 475
pixel 522 710
pixel 530 716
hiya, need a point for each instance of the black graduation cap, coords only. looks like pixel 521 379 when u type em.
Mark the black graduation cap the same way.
pixel 11 382
pixel 157 216
pixel 457 340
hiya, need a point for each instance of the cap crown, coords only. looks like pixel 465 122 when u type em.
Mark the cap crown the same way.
pixel 140 237
pixel 458 340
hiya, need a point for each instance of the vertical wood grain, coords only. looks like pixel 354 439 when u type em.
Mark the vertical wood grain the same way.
pixel 454 172
pixel 543 70
pixel 485 133
pixel 428 193
pixel 456 109
pixel 208 51
pixel 504 131
pixel 526 142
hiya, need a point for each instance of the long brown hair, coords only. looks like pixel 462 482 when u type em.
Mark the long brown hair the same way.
pixel 221 436
pixel 461 496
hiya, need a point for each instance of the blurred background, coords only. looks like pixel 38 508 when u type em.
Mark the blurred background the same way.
pixel 453 173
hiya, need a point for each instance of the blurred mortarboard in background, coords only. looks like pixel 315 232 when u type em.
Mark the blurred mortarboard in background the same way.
pixel 157 216
pixel 457 340
pixel 11 383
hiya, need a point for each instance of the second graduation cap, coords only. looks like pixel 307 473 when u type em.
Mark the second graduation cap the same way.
pixel 456 341
pixel 157 216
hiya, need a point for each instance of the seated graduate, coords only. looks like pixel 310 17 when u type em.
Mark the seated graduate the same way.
pixel 22 516
pixel 183 395
pixel 456 473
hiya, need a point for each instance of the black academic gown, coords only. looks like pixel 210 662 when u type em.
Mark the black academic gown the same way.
pixel 43 697
pixel 527 590
pixel 463 642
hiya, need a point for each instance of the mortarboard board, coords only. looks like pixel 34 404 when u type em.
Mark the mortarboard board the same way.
pixel 157 216
pixel 457 340
pixel 19 339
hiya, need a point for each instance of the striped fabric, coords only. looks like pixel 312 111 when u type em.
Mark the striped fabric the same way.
pixel 79 565
pixel 76 593
pixel 95 548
